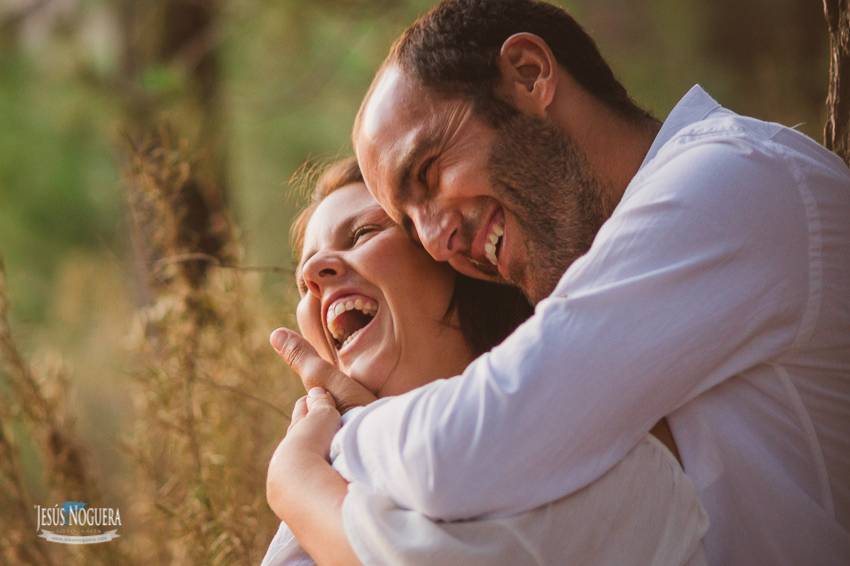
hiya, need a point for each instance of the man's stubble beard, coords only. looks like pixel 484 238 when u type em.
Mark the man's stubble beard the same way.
pixel 546 182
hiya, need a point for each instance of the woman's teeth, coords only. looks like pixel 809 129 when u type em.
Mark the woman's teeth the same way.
pixel 344 332
pixel 496 233
pixel 349 339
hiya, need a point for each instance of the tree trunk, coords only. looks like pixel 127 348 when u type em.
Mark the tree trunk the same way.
pixel 179 38
pixel 837 129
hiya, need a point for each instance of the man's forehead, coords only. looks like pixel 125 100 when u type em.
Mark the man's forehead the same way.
pixel 392 97
pixel 396 120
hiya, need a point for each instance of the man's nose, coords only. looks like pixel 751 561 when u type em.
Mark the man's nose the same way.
pixel 321 270
pixel 439 234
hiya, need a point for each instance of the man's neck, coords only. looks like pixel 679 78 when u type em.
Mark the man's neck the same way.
pixel 615 146
pixel 620 157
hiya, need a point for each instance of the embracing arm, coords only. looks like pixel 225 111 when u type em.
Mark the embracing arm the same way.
pixel 648 483
pixel 680 291
pixel 304 490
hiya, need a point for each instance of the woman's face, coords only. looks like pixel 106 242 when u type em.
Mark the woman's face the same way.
pixel 373 302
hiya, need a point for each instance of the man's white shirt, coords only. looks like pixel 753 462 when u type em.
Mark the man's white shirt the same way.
pixel 595 525
pixel 717 294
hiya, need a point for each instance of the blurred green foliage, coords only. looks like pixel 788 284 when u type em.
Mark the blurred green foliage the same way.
pixel 57 177
pixel 291 75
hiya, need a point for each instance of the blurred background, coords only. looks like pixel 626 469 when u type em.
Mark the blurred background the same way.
pixel 146 384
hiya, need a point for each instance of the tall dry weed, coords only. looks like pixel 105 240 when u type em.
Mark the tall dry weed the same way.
pixel 34 410
pixel 209 398
pixel 213 397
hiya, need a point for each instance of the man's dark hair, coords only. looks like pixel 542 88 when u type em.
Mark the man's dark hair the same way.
pixel 453 50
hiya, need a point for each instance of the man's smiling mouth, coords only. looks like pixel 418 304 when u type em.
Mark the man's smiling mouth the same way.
pixel 487 246
pixel 494 242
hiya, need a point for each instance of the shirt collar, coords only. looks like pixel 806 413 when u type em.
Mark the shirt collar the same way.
pixel 693 107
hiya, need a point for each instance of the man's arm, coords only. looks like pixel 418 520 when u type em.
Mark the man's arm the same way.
pixel 681 290
pixel 648 483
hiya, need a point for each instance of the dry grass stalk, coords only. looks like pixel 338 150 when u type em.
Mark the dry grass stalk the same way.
pixel 209 417
pixel 36 405
pixel 20 543
pixel 209 407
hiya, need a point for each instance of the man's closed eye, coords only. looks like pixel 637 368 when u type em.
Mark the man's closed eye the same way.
pixel 424 170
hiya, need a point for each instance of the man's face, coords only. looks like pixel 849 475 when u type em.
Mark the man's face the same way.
pixel 514 203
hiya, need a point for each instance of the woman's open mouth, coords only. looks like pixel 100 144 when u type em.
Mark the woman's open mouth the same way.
pixel 348 316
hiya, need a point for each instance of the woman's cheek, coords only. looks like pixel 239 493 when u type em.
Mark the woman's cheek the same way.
pixel 308 314
pixel 385 254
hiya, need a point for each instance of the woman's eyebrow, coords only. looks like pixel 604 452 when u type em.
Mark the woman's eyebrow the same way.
pixel 371 210
pixel 339 231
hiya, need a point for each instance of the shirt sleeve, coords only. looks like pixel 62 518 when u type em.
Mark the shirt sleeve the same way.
pixel 700 274
pixel 648 483
pixel 285 550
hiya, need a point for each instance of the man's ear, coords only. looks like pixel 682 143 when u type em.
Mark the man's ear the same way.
pixel 528 73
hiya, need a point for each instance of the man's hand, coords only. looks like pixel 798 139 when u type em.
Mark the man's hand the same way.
pixel 316 372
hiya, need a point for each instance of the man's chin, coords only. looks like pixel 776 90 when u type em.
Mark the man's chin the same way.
pixel 537 289
pixel 476 269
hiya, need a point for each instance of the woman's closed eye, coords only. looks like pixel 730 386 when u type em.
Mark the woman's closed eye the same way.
pixel 363 231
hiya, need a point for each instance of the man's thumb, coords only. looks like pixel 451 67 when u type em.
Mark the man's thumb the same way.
pixel 316 372
pixel 295 350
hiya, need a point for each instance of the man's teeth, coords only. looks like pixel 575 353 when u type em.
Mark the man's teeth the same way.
pixel 496 233
pixel 363 304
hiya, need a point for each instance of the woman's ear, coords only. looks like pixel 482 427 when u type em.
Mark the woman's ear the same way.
pixel 528 73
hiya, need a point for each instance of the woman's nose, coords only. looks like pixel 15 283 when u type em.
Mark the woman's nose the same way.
pixel 321 270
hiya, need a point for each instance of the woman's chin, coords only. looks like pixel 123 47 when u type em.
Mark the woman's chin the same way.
pixel 373 367
pixel 368 376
